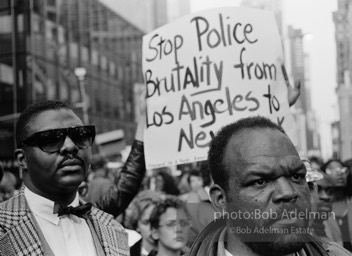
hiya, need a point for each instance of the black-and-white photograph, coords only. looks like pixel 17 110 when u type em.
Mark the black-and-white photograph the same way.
pixel 175 127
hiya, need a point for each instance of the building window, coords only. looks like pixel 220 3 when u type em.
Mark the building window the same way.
pixel 51 2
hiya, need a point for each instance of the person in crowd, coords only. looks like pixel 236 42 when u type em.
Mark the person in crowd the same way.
pixel 165 183
pixel 203 167
pixel 7 186
pixel 46 217
pixel 340 231
pixel 195 180
pixel 169 222
pixel 100 182
pixel 340 175
pixel 315 162
pixel 323 223
pixel 182 183
pixel 114 170
pixel 83 189
pixel 198 205
pixel 326 218
pixel 322 195
pixel 138 218
pixel 257 170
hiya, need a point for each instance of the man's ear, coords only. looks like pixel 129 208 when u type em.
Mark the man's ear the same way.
pixel 218 197
pixel 20 156
pixel 154 234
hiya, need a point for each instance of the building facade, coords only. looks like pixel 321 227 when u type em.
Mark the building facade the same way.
pixel 308 136
pixel 297 65
pixel 177 9
pixel 146 14
pixel 44 41
pixel 335 131
pixel 343 32
pixel 274 6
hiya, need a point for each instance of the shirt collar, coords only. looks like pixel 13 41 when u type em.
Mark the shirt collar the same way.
pixel 227 253
pixel 221 245
pixel 44 207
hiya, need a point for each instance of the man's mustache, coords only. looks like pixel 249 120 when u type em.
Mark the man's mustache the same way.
pixel 71 160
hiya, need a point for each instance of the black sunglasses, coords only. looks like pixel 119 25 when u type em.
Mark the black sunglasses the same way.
pixel 51 141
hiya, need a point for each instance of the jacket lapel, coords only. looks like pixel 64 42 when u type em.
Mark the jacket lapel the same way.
pixel 6 247
pixel 21 237
pixel 111 234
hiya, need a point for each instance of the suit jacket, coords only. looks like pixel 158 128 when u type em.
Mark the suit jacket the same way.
pixel 19 235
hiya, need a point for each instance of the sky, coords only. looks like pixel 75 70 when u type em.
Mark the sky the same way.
pixel 314 18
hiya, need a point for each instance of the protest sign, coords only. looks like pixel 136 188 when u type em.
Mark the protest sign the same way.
pixel 207 70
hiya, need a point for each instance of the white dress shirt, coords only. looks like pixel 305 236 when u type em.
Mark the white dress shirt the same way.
pixel 67 235
pixel 227 253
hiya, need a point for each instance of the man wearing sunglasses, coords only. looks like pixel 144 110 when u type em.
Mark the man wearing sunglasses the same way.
pixel 47 217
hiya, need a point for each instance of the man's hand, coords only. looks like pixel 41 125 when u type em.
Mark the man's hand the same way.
pixel 292 92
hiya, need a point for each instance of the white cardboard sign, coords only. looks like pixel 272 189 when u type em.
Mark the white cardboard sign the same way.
pixel 207 70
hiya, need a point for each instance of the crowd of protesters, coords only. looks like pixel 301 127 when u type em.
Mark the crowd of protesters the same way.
pixel 171 211
pixel 152 212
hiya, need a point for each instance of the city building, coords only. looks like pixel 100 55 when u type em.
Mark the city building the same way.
pixel 336 144
pixel 274 6
pixel 177 9
pixel 343 33
pixel 77 51
pixel 297 65
pixel 308 137
pixel 148 15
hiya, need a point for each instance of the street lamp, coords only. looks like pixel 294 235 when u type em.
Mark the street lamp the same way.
pixel 80 73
